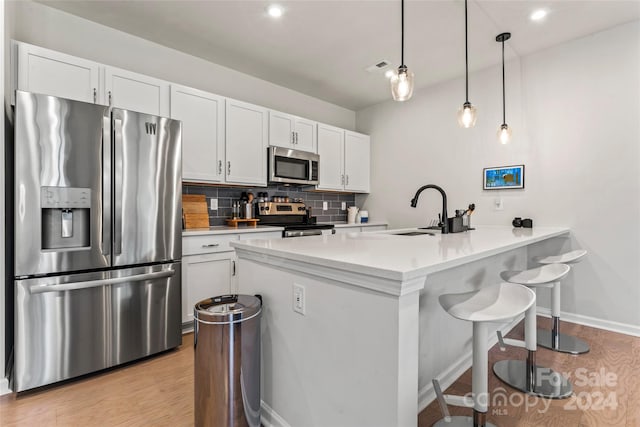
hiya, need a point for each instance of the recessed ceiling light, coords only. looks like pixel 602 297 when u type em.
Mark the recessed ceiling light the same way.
pixel 275 11
pixel 538 15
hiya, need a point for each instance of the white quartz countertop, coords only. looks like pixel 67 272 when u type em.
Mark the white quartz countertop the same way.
pixel 223 229
pixel 359 224
pixel 397 257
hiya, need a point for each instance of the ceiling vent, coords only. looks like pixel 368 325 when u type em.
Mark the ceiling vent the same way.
pixel 379 66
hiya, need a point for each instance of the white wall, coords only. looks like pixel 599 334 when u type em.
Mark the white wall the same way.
pixel 47 27
pixel 575 112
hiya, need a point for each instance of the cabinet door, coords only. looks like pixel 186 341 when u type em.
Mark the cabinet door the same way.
pixel 202 116
pixel 205 276
pixel 331 151
pixel 306 135
pixel 136 92
pixel 246 143
pixel 281 128
pixel 356 162
pixel 52 73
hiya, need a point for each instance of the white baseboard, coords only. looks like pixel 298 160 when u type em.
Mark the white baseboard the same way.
pixel 607 325
pixel 271 418
pixel 4 386
pixel 427 394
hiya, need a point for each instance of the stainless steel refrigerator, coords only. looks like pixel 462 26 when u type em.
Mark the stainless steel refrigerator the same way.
pixel 97 210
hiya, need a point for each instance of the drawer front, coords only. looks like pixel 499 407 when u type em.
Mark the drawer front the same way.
pixel 194 245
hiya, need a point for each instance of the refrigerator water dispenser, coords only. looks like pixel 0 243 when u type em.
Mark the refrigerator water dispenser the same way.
pixel 66 212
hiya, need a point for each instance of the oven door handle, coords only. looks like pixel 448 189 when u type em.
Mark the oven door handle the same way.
pixel 302 233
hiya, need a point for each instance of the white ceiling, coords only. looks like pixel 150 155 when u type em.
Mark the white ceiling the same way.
pixel 322 47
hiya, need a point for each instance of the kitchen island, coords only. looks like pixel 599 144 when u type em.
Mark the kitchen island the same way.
pixel 362 346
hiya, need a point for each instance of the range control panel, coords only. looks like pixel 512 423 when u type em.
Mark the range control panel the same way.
pixel 281 208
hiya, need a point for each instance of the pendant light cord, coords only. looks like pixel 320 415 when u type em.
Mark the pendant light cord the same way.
pixel 504 120
pixel 402 31
pixel 466 54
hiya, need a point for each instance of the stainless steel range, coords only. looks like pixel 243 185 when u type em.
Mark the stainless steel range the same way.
pixel 97 237
pixel 293 216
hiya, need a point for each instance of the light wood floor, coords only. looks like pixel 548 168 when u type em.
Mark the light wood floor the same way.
pixel 159 391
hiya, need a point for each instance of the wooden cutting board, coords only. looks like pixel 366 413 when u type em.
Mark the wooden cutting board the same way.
pixel 194 211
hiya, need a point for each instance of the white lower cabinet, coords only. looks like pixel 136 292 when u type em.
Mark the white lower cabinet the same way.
pixel 209 266
pixel 205 276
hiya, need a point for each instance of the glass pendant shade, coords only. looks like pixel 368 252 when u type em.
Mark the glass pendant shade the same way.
pixel 402 84
pixel 467 115
pixel 504 133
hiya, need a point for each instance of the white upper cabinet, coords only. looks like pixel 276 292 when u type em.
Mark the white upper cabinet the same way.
pixel 136 92
pixel 357 158
pixel 344 160
pixel 288 131
pixel 246 143
pixel 202 116
pixel 53 73
pixel 331 152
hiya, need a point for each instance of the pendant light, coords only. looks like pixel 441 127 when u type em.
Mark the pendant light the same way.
pixel 504 131
pixel 402 79
pixel 467 113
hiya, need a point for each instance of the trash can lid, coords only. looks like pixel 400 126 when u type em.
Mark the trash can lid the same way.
pixel 227 309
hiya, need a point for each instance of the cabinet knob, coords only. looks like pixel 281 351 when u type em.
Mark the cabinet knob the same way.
pixel 229 167
pixel 95 95
pixel 109 98
pixel 219 167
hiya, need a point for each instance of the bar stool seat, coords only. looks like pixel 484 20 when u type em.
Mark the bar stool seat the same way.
pixel 565 258
pixel 553 339
pixel 544 276
pixel 525 375
pixel 489 304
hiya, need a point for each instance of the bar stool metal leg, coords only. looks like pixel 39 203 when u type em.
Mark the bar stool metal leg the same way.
pixel 479 386
pixel 525 375
pixel 553 339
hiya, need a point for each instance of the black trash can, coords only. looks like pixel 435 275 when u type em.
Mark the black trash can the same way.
pixel 227 361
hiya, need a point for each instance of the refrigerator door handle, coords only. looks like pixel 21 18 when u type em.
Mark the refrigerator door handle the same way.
pixel 106 185
pixel 73 286
pixel 117 228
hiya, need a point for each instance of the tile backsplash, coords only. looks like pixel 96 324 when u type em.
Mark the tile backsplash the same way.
pixel 314 199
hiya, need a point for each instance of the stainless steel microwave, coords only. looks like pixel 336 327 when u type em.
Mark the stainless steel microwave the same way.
pixel 288 166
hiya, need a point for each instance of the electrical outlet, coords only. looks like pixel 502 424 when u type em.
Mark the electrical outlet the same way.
pixel 325 206
pixel 213 204
pixel 298 299
pixel 344 206
pixel 497 204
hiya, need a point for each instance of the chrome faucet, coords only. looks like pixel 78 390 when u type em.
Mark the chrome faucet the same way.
pixel 444 218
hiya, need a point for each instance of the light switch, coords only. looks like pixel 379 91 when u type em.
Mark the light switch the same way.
pixel 325 206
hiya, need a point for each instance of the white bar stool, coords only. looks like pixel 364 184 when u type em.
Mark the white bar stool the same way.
pixel 489 304
pixel 525 375
pixel 553 339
